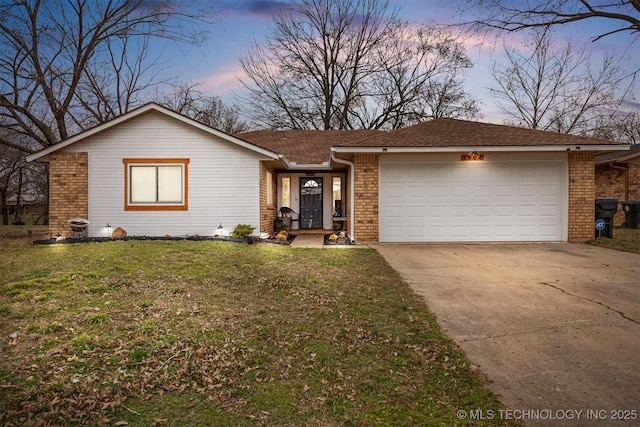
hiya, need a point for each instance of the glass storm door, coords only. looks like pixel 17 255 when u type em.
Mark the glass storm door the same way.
pixel 311 202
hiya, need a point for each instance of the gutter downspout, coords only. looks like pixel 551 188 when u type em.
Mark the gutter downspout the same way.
pixel 352 178
pixel 626 178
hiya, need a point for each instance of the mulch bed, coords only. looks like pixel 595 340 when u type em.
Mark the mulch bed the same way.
pixel 343 239
pixel 249 240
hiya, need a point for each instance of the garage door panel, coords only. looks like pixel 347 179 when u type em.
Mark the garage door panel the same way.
pixel 437 211
pixel 483 211
pixel 526 210
pixel 417 172
pixel 457 201
pixel 481 190
pixel 437 172
pixel 527 190
pixel 550 211
pixel 547 190
pixel 438 191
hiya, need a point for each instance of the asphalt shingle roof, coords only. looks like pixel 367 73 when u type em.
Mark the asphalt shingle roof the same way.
pixel 313 146
pixel 633 151
pixel 446 132
pixel 304 146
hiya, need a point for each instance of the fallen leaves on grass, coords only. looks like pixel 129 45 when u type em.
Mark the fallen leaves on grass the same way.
pixel 72 386
pixel 270 335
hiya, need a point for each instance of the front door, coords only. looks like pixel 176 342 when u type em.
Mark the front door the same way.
pixel 311 202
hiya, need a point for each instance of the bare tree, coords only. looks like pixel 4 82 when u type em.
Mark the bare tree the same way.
pixel 118 80
pixel 623 127
pixel 11 165
pixel 185 98
pixel 69 64
pixel 335 64
pixel 514 16
pixel 417 76
pixel 560 90
pixel 227 118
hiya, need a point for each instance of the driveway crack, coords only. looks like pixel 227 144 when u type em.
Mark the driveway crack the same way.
pixel 624 316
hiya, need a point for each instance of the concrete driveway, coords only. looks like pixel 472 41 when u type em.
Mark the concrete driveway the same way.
pixel 555 327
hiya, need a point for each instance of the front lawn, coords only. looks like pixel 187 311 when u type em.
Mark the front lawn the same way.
pixel 624 239
pixel 212 333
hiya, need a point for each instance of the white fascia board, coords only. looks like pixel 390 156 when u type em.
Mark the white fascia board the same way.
pixel 484 149
pixel 295 166
pixel 321 166
pixel 138 112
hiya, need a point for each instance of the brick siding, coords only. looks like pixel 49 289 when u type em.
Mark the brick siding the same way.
pixel 268 212
pixel 366 196
pixel 581 195
pixel 611 181
pixel 68 191
pixel 634 181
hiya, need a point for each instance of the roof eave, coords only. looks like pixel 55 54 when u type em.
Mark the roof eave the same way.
pixel 621 159
pixel 493 148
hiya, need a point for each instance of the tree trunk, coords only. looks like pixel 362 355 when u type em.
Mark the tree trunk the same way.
pixel 5 208
pixel 18 212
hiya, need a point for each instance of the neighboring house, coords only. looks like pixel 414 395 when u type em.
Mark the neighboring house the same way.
pixel 618 177
pixel 29 205
pixel 155 173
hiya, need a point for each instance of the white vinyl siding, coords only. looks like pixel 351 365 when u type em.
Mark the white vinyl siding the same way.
pixel 444 199
pixel 223 178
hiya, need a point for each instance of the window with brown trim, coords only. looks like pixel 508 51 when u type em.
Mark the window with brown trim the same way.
pixel 155 184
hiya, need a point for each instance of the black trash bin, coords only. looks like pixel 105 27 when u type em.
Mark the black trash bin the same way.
pixel 605 210
pixel 631 213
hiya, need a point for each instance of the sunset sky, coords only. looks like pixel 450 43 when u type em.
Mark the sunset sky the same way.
pixel 215 63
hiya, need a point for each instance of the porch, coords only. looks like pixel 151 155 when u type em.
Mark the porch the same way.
pixel 311 232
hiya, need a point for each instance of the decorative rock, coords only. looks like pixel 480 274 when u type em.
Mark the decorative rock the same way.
pixel 118 233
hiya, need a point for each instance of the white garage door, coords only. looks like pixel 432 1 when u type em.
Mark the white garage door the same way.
pixel 457 201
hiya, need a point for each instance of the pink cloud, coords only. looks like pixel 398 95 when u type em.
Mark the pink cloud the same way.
pixel 223 81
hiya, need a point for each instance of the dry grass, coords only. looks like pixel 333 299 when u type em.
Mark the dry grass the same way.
pixel 624 239
pixel 24 231
pixel 212 333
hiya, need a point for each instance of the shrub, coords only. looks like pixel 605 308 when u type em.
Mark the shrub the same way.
pixel 242 231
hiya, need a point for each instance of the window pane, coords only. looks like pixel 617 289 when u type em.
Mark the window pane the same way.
pixel 170 184
pixel 143 184
pixel 286 192
pixel 269 188
pixel 337 196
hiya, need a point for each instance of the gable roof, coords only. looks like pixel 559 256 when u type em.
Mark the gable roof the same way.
pixel 305 147
pixel 450 133
pixel 313 147
pixel 620 157
pixel 145 109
